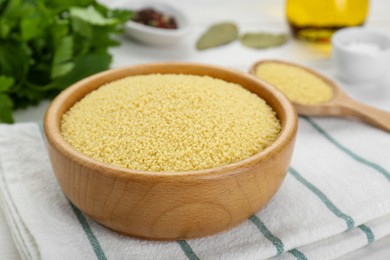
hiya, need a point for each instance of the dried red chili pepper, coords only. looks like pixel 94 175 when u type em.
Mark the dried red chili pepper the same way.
pixel 151 17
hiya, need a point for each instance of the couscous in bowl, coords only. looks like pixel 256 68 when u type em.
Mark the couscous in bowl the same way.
pixel 170 205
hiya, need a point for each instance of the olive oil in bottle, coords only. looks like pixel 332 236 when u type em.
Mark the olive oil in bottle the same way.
pixel 317 20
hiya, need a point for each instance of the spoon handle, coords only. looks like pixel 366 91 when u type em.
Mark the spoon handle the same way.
pixel 373 116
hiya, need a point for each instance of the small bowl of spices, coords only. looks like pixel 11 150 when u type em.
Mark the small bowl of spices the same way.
pixel 156 23
pixel 171 150
pixel 360 54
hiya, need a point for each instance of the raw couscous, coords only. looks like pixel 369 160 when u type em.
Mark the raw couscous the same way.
pixel 170 122
pixel 296 83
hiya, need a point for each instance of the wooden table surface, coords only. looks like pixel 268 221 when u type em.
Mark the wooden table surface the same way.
pixel 250 15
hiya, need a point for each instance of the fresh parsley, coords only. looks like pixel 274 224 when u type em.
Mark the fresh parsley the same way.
pixel 46 45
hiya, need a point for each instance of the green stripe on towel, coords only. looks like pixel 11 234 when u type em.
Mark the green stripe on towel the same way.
pixel 83 221
pixel 298 254
pixel 267 234
pixel 368 232
pixel 187 250
pixel 88 231
pixel 275 240
pixel 353 155
pixel 350 222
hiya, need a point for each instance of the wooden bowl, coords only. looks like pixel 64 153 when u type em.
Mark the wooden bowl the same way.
pixel 170 205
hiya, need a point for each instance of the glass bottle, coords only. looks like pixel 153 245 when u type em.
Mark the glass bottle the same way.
pixel 317 20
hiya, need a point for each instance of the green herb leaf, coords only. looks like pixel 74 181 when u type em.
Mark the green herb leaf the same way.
pixel 65 5
pixel 5 28
pixel 5 101
pixel 45 46
pixel 61 69
pixel 122 15
pixel 6 109
pixel 263 40
pixel 91 16
pixel 64 50
pixel 62 54
pixel 31 27
pixel 14 59
pixel 83 67
pixel 5 83
pixel 1 3
pixel 81 27
pixel 217 35
pixel 60 28
pixel 6 115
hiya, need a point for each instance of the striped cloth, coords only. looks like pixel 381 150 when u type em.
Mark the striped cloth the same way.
pixel 335 199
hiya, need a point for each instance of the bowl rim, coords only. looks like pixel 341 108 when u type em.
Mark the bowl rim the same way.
pixel 54 137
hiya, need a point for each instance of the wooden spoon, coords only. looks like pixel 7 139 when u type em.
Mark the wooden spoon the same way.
pixel 340 105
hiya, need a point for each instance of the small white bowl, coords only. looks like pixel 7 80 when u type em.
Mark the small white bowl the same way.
pixel 360 55
pixel 156 36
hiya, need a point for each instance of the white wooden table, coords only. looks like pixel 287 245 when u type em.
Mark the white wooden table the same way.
pixel 250 15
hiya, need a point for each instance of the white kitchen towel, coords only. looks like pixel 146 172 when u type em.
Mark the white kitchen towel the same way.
pixel 335 199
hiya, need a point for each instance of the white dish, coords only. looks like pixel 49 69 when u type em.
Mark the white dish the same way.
pixel 156 36
pixel 360 55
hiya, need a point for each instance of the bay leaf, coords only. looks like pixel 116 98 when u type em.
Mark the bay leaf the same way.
pixel 263 40
pixel 217 35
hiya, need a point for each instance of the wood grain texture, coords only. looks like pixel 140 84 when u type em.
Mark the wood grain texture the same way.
pixel 170 205
pixel 341 105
